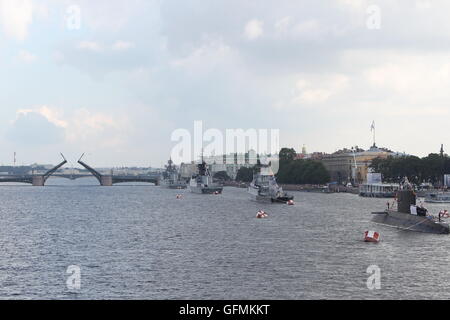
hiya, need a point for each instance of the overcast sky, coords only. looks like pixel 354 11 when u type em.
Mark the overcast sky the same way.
pixel 119 83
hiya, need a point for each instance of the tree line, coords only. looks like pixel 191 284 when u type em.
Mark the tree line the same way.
pixel 418 170
pixel 292 170
pixel 429 169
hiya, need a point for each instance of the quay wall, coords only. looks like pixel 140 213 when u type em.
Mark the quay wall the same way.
pixel 301 187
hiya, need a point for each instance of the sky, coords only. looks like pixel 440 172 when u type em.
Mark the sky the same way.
pixel 114 79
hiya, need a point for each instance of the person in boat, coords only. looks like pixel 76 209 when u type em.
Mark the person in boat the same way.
pixel 421 211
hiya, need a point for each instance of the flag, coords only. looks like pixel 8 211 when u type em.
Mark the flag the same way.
pixel 372 127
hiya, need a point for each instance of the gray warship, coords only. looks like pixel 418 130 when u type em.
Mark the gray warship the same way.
pixel 203 181
pixel 264 186
pixel 411 217
pixel 171 179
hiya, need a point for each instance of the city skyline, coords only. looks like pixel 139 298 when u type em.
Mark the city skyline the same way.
pixel 302 152
pixel 114 79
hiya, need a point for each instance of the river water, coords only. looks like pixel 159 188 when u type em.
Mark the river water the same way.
pixel 140 242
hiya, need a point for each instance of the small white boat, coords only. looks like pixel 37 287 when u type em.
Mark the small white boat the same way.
pixel 378 190
pixel 438 197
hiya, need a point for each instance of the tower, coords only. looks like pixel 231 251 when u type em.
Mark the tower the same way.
pixel 372 128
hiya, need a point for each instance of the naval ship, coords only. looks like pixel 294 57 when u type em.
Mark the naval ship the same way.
pixel 170 178
pixel 264 186
pixel 203 181
pixel 411 217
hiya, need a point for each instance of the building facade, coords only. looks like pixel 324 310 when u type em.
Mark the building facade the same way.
pixel 352 165
pixel 230 163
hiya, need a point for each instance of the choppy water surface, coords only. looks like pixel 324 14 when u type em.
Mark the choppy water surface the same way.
pixel 140 242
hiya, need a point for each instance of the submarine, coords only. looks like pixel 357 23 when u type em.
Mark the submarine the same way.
pixel 411 217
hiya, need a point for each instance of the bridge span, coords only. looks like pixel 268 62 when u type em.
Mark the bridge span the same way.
pixel 107 180
pixel 37 180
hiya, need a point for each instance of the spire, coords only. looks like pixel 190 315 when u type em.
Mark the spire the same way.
pixel 372 128
pixel 442 150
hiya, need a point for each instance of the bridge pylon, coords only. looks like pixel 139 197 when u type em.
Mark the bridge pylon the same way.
pixel 39 180
pixel 104 180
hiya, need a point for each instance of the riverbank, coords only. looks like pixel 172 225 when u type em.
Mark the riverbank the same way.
pixel 302 187
pixel 236 184
pixel 319 188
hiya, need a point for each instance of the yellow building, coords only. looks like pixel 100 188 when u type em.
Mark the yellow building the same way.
pixel 349 165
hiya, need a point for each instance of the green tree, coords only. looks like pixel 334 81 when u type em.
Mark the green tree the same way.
pixel 222 175
pixel 303 172
pixel 287 155
pixel 417 170
pixel 245 174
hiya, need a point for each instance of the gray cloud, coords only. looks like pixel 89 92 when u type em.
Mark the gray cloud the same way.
pixel 314 68
pixel 34 129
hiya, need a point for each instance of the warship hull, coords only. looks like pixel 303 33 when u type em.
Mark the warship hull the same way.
pixel 206 190
pixel 173 185
pixel 255 196
pixel 259 198
pixel 377 195
pixel 410 222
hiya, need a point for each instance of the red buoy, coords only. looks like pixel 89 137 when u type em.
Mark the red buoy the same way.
pixel 261 214
pixel 290 202
pixel 444 214
pixel 371 236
